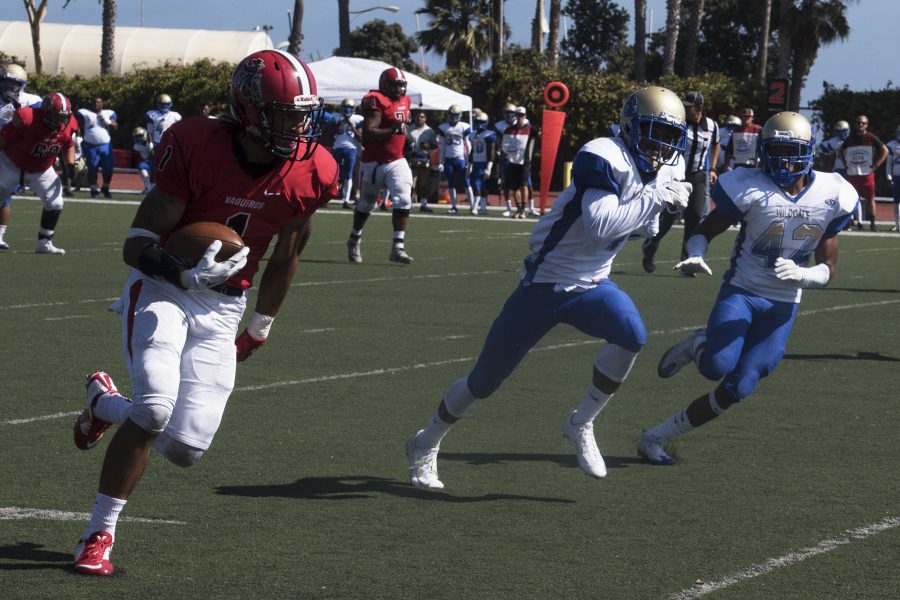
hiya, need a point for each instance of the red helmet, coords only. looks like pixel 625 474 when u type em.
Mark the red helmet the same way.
pixel 274 98
pixel 56 111
pixel 392 83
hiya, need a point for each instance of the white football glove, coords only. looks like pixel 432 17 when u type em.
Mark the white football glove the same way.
pixel 692 265
pixel 440 167
pixel 675 195
pixel 787 270
pixel 209 273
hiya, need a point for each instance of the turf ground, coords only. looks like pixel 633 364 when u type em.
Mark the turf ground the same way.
pixel 304 494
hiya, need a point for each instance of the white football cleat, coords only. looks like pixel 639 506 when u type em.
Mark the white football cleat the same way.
pixel 507 213
pixel 353 253
pixel 399 255
pixel 582 437
pixel 423 465
pixel 682 353
pixel 651 448
pixel 46 247
pixel 4 245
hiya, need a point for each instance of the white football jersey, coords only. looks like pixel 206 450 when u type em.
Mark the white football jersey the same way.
pixel 480 142
pixel 344 137
pixel 158 122
pixel 454 140
pixel 830 147
pixel 574 244
pixel 96 131
pixel 775 224
pixel 894 167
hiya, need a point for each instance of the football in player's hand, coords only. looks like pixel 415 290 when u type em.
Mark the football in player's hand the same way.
pixel 192 240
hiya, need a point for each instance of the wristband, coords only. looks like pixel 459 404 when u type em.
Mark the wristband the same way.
pixel 697 245
pixel 259 326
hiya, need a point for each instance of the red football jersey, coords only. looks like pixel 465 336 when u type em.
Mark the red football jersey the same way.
pixel 392 114
pixel 196 161
pixel 30 144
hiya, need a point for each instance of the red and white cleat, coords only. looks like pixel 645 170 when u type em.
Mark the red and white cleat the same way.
pixel 92 556
pixel 89 429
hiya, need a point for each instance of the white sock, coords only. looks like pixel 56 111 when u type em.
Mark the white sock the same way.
pixel 593 402
pixel 671 427
pixel 348 186
pixel 453 198
pixel 112 407
pixel 2 231
pixel 105 515
pixel 470 196
pixel 896 219
pixel 457 400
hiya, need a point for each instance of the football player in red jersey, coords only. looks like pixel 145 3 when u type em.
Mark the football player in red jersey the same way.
pixel 382 164
pixel 29 145
pixel 261 173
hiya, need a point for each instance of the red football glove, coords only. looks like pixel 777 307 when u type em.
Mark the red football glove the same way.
pixel 245 344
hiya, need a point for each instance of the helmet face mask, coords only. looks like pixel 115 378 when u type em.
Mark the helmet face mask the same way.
pixel 786 148
pixel 274 99
pixel 348 107
pixel 164 103
pixel 454 114
pixel 55 110
pixel 392 83
pixel 12 81
pixel 653 125
pixel 139 135
pixel 842 129
pixel 481 122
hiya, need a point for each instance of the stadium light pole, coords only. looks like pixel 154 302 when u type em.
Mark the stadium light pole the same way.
pixel 344 13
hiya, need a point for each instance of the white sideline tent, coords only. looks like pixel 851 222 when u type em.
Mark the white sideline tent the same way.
pixel 342 77
pixel 75 49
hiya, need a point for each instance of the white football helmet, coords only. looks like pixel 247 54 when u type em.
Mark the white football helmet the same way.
pixel 164 103
pixel 509 112
pixel 732 122
pixel 653 125
pixel 481 121
pixel 786 147
pixel 348 106
pixel 842 129
pixel 12 81
pixel 454 113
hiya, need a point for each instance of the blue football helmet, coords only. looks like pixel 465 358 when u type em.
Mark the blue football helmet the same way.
pixel 786 148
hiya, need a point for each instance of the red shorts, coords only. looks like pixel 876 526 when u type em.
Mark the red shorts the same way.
pixel 864 184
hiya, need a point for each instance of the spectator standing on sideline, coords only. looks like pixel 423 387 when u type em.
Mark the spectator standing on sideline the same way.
pixel 348 132
pixel 453 155
pixel 97 144
pixel 829 149
pixel 421 141
pixel 893 175
pixel 787 213
pixel 484 147
pixel 701 151
pixel 619 187
pixel 12 97
pixel 29 146
pixel 509 118
pixel 743 143
pixel 731 123
pixel 863 153
pixel 383 165
pixel 260 172
pixel 517 146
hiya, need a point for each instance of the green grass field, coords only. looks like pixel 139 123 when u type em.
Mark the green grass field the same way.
pixel 305 494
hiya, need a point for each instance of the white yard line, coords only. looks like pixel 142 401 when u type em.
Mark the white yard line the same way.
pixel 701 588
pixel 15 513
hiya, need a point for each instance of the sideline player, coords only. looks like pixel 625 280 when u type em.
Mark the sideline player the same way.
pixel 453 156
pixel 261 173
pixel 619 187
pixel 346 144
pixel 97 144
pixel 787 213
pixel 29 146
pixel 382 165
pixel 484 146
pixel 892 170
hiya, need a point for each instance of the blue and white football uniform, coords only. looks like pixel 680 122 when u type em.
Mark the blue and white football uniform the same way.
pixel 481 141
pixel 158 121
pixel 453 142
pixel 566 277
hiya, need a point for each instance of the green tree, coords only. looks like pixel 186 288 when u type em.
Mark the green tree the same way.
pixel 378 40
pixel 36 14
pixel 600 30
pixel 460 30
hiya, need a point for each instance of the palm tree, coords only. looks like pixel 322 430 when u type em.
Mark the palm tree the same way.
pixel 693 37
pixel 673 20
pixel 764 41
pixel 640 40
pixel 295 39
pixel 553 35
pixel 108 38
pixel 815 23
pixel 36 14
pixel 461 30
pixel 537 31
pixel 343 28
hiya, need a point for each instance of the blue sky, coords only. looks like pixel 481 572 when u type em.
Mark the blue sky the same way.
pixel 865 61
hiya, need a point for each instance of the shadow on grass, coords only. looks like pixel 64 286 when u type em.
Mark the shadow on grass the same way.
pixel 564 460
pixel 27 556
pixel 873 356
pixel 359 487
